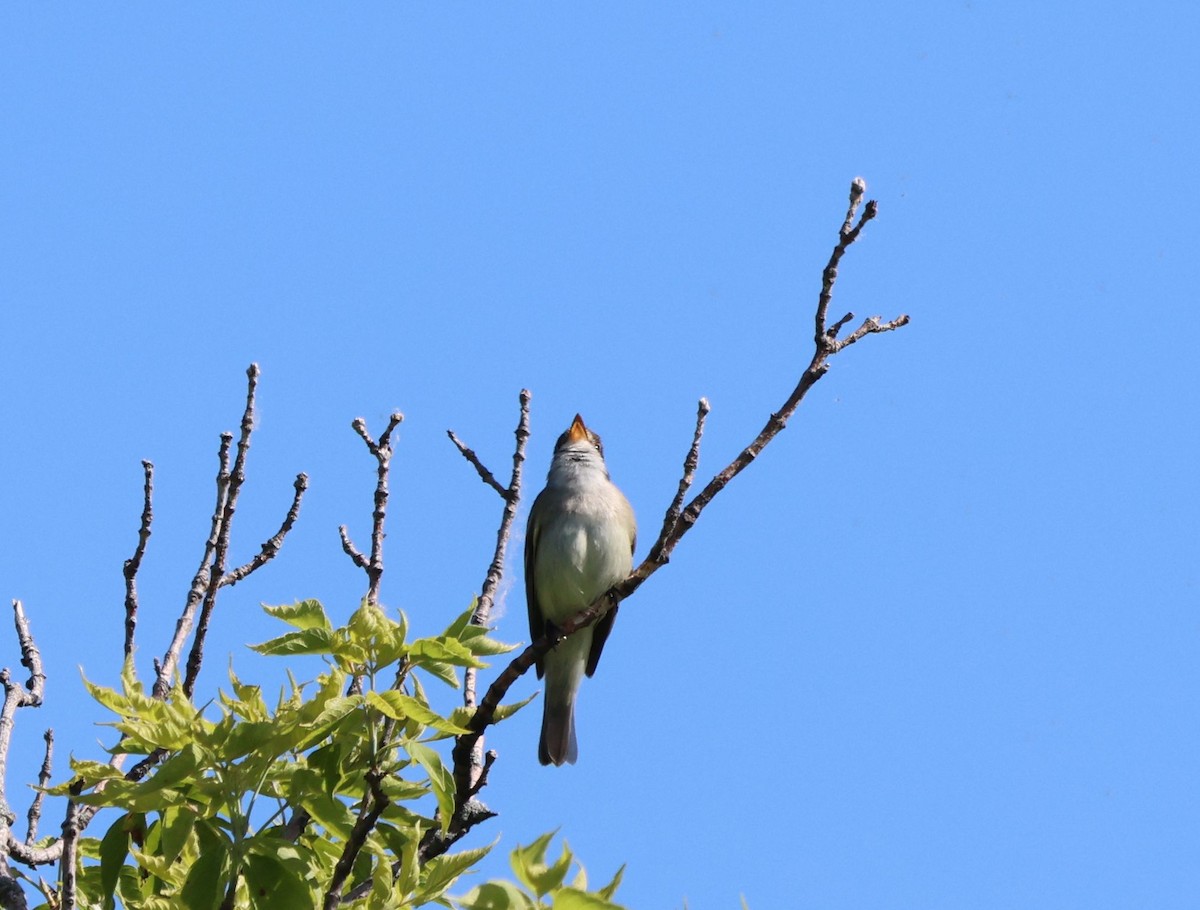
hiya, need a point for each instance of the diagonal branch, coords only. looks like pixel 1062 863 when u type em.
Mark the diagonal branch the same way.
pixel 484 474
pixel 270 548
pixel 372 807
pixel 677 522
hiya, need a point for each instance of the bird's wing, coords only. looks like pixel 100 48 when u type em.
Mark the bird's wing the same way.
pixel 605 623
pixel 537 621
pixel 599 636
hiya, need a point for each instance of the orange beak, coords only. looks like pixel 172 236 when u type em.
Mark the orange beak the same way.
pixel 578 431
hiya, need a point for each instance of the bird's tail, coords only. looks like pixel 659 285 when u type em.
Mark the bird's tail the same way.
pixel 558 743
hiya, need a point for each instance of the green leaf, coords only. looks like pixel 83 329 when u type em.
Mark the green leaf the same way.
pixel 529 865
pixel 398 706
pixel 307 641
pixel 611 888
pixel 445 672
pixel 114 847
pixel 462 716
pixel 177 825
pixel 443 650
pixel 367 623
pixel 331 814
pixel 109 698
pixel 180 768
pixel 496 896
pixel 440 779
pixel 206 881
pixel 574 899
pixel 398 790
pixel 246 738
pixel 462 621
pixel 274 883
pixel 410 867
pixel 303 615
pixel 483 644
pixel 442 872
pixel 382 887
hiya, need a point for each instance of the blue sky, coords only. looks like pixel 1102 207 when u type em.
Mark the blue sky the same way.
pixel 936 649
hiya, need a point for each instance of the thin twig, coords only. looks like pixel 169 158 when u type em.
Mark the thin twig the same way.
pixel 351 550
pixel 484 474
pixel 382 450
pixel 690 462
pixel 134 563
pixel 271 547
pixel 677 523
pixel 470 773
pixel 35 808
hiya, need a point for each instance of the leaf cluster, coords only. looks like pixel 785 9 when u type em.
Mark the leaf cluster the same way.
pixel 254 805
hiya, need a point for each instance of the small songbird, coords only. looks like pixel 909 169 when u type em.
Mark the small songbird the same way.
pixel 579 543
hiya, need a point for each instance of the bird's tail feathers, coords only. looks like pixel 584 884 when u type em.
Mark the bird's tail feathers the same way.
pixel 558 744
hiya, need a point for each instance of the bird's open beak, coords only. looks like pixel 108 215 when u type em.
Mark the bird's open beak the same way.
pixel 578 431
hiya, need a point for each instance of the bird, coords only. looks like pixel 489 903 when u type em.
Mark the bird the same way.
pixel 579 542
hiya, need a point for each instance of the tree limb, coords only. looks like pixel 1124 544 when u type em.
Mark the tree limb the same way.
pixel 677 522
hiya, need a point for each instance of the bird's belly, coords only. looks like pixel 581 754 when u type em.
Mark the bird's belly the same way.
pixel 577 562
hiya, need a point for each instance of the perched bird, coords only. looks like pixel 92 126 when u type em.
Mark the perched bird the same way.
pixel 579 543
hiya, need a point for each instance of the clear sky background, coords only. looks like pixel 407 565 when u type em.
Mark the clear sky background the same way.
pixel 936 649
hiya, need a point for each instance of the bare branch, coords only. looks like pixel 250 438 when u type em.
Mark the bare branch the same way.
pixel 35 808
pixel 270 548
pixel 30 855
pixel 351 550
pixel 183 626
pixel 71 829
pixel 512 499
pixel 236 479
pixel 846 236
pixel 690 462
pixel 470 774
pixel 871 326
pixel 134 563
pixel 485 475
pixel 382 450
pixel 16 696
pixel 31 658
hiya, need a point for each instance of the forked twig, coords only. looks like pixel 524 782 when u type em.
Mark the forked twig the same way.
pixel 382 450
pixel 470 770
